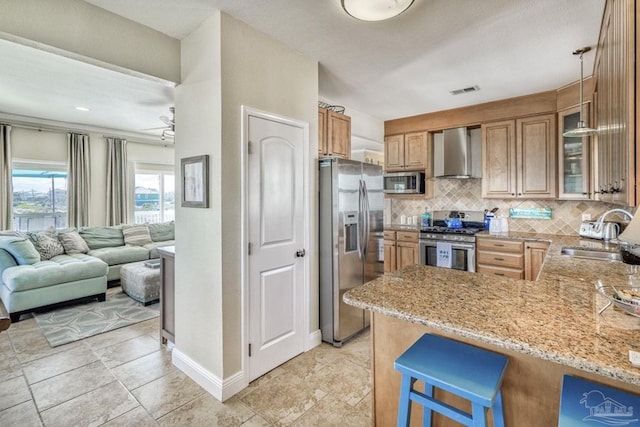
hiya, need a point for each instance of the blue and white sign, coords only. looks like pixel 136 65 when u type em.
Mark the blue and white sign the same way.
pixel 585 403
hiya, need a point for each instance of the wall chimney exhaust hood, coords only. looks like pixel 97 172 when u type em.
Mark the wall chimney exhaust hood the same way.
pixel 457 153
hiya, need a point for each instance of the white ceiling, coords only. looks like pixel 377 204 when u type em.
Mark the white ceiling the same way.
pixel 396 68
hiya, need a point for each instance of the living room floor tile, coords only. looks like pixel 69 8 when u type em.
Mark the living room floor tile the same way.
pixel 49 366
pixel 137 417
pixel 32 345
pixel 14 392
pixel 208 411
pixel 94 408
pixel 69 385
pixel 167 393
pixel 120 335
pixel 147 368
pixel 10 367
pixel 23 415
pixel 128 350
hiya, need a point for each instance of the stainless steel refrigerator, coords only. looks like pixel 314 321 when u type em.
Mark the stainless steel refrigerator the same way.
pixel 351 241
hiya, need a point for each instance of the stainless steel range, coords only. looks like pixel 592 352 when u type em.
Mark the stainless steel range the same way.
pixel 451 240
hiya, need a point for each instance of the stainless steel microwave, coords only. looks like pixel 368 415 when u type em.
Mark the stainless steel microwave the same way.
pixel 404 183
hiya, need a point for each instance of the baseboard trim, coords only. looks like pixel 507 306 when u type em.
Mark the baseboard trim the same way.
pixel 315 339
pixel 221 389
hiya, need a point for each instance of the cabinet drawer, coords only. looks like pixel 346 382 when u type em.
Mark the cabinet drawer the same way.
pixel 389 235
pixel 407 236
pixel 500 245
pixel 500 259
pixel 501 271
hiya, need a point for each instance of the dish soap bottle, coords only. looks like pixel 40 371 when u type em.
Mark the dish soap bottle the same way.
pixel 425 219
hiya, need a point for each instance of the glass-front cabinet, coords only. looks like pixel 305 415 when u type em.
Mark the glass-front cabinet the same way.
pixel 573 157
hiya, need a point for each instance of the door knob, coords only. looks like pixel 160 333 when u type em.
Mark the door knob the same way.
pixel 301 253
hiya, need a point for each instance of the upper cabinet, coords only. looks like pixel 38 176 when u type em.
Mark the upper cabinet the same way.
pixel 616 105
pixel 519 158
pixel 410 151
pixel 574 165
pixel 334 134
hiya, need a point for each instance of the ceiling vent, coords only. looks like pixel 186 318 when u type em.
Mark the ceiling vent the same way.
pixel 465 90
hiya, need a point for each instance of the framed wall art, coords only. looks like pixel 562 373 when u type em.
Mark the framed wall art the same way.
pixel 195 181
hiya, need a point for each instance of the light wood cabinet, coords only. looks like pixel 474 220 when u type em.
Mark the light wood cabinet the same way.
pixel 500 257
pixel 617 101
pixel 534 255
pixel 519 158
pixel 400 250
pixel 512 258
pixel 334 134
pixel 574 166
pixel 410 151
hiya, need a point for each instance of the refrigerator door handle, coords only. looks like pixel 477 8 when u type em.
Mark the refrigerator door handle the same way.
pixel 367 218
pixel 360 200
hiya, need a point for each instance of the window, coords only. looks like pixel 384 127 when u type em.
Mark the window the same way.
pixel 39 196
pixel 154 195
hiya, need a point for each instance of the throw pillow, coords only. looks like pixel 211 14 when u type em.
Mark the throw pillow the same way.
pixel 136 235
pixel 46 244
pixel 162 231
pixel 73 243
pixel 20 248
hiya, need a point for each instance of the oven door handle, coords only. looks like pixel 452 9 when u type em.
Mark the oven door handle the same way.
pixel 454 245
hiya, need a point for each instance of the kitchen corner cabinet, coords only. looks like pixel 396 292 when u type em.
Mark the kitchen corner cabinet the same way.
pixel 519 158
pixel 334 134
pixel 574 165
pixel 534 255
pixel 400 250
pixel 408 152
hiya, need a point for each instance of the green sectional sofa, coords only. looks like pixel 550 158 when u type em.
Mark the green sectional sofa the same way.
pixel 39 270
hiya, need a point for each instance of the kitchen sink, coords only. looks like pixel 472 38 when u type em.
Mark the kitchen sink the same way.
pixel 591 254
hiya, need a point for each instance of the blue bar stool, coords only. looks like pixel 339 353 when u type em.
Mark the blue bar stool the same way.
pixel 464 370
pixel 587 403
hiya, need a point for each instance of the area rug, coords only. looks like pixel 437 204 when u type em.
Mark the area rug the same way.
pixel 76 322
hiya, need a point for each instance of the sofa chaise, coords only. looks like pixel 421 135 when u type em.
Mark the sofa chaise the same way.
pixel 40 270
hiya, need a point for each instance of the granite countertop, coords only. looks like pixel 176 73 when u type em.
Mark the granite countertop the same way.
pixel 555 318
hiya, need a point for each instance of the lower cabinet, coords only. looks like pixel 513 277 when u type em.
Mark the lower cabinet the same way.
pixel 500 257
pixel 400 249
pixel 534 254
pixel 512 258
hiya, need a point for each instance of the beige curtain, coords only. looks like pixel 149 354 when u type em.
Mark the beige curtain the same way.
pixel 117 197
pixel 6 186
pixel 78 180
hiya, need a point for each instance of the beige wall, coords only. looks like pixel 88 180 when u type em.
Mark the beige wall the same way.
pixel 226 64
pixel 46 146
pixel 199 245
pixel 84 29
pixel 260 73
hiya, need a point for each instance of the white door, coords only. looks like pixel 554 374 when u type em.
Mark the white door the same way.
pixel 276 235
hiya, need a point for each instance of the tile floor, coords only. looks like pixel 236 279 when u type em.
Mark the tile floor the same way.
pixel 125 378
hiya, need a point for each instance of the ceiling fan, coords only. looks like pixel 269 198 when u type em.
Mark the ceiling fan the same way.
pixel 171 123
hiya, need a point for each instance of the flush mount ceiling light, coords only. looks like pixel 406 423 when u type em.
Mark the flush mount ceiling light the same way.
pixel 582 129
pixel 375 10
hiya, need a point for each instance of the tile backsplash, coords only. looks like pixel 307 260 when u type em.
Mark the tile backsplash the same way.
pixel 465 195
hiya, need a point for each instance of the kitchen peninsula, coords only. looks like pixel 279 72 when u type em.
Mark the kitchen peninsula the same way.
pixel 548 328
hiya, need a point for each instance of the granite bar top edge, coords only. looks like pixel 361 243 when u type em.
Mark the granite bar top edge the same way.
pixel 561 277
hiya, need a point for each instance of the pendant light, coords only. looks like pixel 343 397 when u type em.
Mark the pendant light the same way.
pixel 581 130
pixel 375 10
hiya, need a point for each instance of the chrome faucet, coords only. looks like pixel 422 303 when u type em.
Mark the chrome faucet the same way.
pixel 627 213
